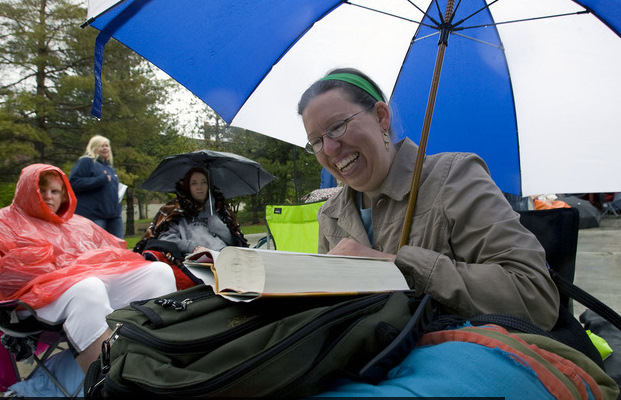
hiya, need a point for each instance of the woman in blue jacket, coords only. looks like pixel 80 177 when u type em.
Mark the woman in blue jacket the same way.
pixel 96 186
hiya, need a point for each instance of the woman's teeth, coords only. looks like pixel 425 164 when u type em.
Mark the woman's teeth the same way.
pixel 345 164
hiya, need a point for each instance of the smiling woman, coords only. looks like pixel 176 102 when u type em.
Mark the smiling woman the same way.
pixel 461 248
pixel 356 157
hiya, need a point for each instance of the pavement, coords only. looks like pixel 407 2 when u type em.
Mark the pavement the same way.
pixel 598 263
pixel 253 239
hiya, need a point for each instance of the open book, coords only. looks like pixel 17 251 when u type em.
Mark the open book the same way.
pixel 240 273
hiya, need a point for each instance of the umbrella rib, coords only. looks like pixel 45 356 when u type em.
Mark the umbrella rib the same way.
pixel 425 37
pixel 525 20
pixel 437 4
pixel 473 14
pixel 479 41
pixel 93 18
pixel 424 13
pixel 399 16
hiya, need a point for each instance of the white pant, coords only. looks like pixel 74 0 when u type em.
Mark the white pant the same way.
pixel 84 306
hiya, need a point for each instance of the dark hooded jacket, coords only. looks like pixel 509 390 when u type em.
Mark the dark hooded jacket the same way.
pixel 98 197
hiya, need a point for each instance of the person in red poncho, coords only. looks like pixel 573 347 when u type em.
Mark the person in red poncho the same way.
pixel 65 266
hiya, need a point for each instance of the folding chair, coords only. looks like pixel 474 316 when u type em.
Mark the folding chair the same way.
pixel 612 206
pixel 557 231
pixel 25 337
pixel 293 227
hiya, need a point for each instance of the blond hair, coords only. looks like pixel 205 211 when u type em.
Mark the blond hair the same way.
pixel 92 148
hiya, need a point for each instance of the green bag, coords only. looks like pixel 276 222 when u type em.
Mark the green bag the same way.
pixel 194 343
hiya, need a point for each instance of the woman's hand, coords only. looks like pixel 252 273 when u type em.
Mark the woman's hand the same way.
pixel 350 247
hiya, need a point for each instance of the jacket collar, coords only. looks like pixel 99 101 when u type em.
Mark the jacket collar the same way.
pixel 398 182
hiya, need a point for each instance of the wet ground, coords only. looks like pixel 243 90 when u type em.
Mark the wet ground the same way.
pixel 598 263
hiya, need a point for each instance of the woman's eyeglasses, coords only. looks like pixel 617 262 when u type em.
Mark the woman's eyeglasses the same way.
pixel 337 129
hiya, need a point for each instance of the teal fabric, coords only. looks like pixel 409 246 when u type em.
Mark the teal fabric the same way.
pixel 452 369
pixel 366 215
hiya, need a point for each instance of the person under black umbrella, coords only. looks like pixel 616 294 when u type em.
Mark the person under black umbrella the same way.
pixel 199 218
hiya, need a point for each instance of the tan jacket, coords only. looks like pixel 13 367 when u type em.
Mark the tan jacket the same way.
pixel 466 247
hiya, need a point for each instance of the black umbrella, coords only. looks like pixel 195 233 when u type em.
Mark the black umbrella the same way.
pixel 589 215
pixel 232 174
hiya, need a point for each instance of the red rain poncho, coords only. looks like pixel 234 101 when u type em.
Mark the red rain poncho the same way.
pixel 43 254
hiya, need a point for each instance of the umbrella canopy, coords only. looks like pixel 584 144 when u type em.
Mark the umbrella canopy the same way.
pixel 233 174
pixel 590 216
pixel 530 85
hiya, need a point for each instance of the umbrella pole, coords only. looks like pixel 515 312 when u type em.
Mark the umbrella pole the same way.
pixel 422 146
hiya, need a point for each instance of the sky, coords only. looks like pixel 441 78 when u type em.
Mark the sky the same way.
pixel 183 103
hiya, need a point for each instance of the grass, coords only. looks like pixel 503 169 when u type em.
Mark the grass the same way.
pixel 247 229
pixel 132 240
pixel 250 229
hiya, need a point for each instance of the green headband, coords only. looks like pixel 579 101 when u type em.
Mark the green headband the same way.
pixel 355 80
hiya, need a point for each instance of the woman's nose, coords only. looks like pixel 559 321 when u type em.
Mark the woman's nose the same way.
pixel 330 145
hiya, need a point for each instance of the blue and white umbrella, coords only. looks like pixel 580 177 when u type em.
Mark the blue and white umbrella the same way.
pixel 531 86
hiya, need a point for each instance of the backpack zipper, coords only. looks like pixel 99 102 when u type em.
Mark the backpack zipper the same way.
pixel 135 334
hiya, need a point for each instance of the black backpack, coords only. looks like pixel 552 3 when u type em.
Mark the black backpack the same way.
pixel 193 343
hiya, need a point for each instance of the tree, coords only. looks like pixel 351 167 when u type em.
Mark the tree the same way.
pixel 46 65
pixel 35 55
pixel 296 171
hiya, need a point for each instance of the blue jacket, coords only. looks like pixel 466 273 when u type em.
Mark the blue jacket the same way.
pixel 98 198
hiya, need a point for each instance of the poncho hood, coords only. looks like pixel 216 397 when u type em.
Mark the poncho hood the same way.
pixel 28 198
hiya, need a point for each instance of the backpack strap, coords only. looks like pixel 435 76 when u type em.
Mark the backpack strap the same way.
pixel 567 329
pixel 376 369
pixel 568 288
pixel 509 322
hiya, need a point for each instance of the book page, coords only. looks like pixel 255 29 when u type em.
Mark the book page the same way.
pixel 272 272
pixel 203 272
pixel 244 274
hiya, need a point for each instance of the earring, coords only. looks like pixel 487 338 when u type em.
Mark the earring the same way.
pixel 386 139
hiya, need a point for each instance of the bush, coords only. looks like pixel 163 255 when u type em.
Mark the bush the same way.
pixel 7 192
pixel 244 216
